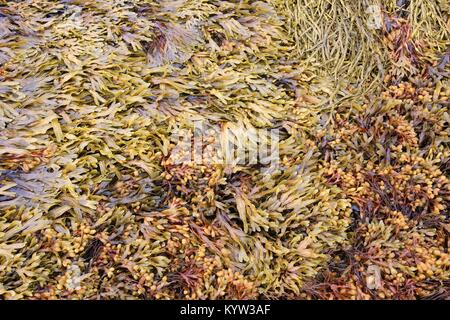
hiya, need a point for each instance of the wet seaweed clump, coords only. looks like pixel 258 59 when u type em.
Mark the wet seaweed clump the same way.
pixel 207 149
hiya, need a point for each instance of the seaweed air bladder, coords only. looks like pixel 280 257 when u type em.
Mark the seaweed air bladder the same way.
pixel 272 149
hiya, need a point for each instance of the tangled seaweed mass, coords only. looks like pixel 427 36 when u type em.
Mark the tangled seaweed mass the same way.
pixel 97 203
